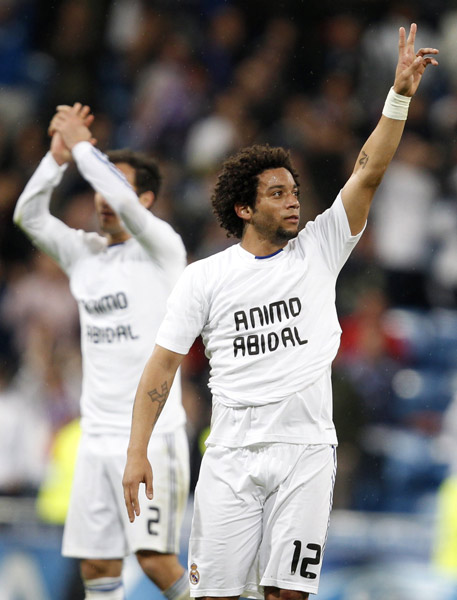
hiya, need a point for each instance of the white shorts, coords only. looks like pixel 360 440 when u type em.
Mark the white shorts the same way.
pixel 261 517
pixel 97 524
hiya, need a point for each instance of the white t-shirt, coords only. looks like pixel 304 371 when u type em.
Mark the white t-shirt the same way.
pixel 270 331
pixel 121 290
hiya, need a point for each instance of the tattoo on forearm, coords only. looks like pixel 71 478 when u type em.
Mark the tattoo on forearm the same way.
pixel 160 398
pixel 363 159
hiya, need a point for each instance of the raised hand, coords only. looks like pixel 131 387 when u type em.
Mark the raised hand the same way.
pixel 72 122
pixel 59 149
pixel 411 64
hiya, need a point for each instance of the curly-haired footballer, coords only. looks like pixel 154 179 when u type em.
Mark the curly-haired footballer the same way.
pixel 266 311
pixel 237 183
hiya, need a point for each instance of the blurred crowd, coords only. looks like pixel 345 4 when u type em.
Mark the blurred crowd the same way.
pixel 192 81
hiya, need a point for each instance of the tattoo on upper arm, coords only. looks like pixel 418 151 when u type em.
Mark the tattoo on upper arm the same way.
pixel 363 159
pixel 160 397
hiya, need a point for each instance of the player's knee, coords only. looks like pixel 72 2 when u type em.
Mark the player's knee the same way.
pixel 94 569
pixel 163 569
pixel 272 593
pixel 149 561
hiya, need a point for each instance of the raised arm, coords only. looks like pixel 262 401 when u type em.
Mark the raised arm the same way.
pixel 32 213
pixel 378 151
pixel 152 393
pixel 156 236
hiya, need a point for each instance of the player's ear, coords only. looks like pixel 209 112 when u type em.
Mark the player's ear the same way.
pixel 147 199
pixel 243 211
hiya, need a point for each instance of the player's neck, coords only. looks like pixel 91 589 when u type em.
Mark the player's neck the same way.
pixel 117 238
pixel 260 246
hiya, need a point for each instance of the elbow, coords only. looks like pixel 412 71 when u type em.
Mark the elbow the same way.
pixel 372 179
pixel 374 182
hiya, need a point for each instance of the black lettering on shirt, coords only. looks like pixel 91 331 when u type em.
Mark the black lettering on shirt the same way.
pixel 109 335
pixel 260 316
pixel 105 304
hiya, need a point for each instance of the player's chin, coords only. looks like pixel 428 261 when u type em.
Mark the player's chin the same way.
pixel 288 233
pixel 109 225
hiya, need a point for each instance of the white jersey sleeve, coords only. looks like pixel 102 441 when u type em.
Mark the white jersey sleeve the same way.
pixel 187 311
pixel 332 235
pixel 157 237
pixel 48 233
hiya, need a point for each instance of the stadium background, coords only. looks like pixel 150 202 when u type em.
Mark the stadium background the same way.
pixel 192 81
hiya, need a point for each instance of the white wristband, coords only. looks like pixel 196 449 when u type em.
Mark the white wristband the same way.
pixel 396 106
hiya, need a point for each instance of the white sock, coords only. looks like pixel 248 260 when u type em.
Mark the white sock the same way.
pixel 179 590
pixel 104 588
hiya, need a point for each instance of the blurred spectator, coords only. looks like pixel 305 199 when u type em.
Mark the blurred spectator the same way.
pixel 364 401
pixel 75 35
pixel 443 267
pixel 18 64
pixel 448 45
pixel 342 33
pixel 214 137
pixel 378 51
pixel 24 434
pixel 401 222
pixel 224 44
pixel 168 95
pixel 41 299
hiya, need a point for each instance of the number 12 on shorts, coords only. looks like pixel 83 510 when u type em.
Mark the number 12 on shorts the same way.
pixel 312 560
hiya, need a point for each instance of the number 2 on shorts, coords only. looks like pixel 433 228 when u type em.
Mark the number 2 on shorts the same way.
pixel 155 518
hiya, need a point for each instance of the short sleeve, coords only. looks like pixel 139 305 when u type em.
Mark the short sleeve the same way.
pixel 187 311
pixel 332 235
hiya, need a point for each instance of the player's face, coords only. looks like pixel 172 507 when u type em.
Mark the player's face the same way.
pixel 276 213
pixel 110 223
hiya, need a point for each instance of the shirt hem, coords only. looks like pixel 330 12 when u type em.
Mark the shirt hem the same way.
pixel 85 553
pixel 90 430
pixel 173 347
pixel 287 585
pixel 216 593
pixel 269 439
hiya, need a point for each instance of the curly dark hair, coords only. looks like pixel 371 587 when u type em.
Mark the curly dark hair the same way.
pixel 238 180
pixel 147 173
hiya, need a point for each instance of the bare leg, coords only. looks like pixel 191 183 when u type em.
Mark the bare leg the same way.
pixel 274 593
pixel 102 579
pixel 95 568
pixel 162 569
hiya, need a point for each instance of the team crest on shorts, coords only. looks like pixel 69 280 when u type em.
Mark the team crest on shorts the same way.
pixel 194 575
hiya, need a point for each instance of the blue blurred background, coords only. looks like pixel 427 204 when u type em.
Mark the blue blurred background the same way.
pixel 191 81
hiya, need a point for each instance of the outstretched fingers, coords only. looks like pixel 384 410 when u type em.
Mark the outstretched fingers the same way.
pixel 411 35
pixel 407 45
pixel 401 41
pixel 411 64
